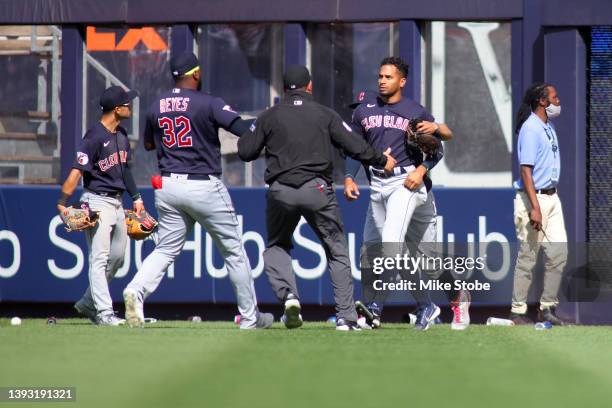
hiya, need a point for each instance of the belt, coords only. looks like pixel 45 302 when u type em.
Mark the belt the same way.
pixel 382 174
pixel 116 194
pixel 185 176
pixel 547 191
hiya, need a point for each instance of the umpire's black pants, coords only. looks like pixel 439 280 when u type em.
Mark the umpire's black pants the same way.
pixel 316 202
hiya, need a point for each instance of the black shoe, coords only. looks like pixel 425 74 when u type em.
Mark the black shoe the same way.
pixel 347 325
pixel 372 315
pixel 549 315
pixel 520 319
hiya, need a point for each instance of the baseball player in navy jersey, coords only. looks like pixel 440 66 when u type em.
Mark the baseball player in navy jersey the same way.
pixel 102 160
pixel 182 125
pixel 402 207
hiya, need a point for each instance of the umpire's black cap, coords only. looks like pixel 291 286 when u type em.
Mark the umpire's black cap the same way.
pixel 363 96
pixel 296 77
pixel 185 63
pixel 116 96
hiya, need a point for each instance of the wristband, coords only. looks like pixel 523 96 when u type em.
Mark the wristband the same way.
pixel 436 133
pixel 63 200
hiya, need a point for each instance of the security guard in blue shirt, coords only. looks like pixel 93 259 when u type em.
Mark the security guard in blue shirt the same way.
pixel 538 214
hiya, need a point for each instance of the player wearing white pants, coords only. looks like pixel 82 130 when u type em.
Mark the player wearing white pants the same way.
pixel 392 205
pixel 421 228
pixel 383 121
pixel 399 217
pixel 102 160
pixel 183 126
pixel 178 212
pixel 105 255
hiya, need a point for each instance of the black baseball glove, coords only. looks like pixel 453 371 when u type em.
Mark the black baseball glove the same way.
pixel 429 144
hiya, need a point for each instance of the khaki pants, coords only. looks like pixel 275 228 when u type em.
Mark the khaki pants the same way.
pixel 552 240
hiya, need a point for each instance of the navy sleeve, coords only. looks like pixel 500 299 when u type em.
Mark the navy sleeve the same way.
pixel 240 126
pixel 222 114
pixel 425 115
pixel 352 168
pixel 86 154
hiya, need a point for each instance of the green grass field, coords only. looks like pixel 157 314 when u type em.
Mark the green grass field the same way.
pixel 181 364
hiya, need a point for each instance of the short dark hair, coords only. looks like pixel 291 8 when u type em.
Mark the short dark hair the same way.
pixel 398 63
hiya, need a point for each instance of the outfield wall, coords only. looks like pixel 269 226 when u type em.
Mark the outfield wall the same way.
pixel 40 262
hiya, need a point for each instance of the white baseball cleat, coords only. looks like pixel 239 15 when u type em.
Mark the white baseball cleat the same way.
pixel 461 310
pixel 134 313
pixel 347 325
pixel 363 324
pixel 292 317
pixel 109 320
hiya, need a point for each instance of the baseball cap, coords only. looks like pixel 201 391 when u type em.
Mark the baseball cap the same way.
pixel 116 96
pixel 364 96
pixel 296 76
pixel 185 63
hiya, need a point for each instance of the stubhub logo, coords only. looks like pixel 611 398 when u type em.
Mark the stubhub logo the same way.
pixel 200 250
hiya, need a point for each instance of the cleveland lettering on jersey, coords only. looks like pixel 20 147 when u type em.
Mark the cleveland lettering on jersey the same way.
pixel 99 156
pixel 388 121
pixel 112 160
pixel 384 125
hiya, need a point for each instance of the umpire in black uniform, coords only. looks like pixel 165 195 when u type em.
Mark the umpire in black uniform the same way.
pixel 299 136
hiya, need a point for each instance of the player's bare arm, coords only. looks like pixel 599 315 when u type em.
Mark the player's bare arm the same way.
pixel 535 214
pixel 71 183
pixel 432 128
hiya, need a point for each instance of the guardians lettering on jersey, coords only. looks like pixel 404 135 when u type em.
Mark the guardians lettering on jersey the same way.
pixel 388 121
pixel 112 160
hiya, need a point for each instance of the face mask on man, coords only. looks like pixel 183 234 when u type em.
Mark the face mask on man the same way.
pixel 553 111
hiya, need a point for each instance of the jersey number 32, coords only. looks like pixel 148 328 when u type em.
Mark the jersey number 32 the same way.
pixel 176 132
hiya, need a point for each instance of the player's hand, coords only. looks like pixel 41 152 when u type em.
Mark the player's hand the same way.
pixel 428 128
pixel 351 190
pixel 414 180
pixel 61 208
pixel 391 162
pixel 535 219
pixel 138 207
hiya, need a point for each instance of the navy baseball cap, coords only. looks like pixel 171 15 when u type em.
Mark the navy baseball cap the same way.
pixel 116 96
pixel 364 96
pixel 185 63
pixel 296 76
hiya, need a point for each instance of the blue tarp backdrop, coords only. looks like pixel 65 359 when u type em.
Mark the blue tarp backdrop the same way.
pixel 41 262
